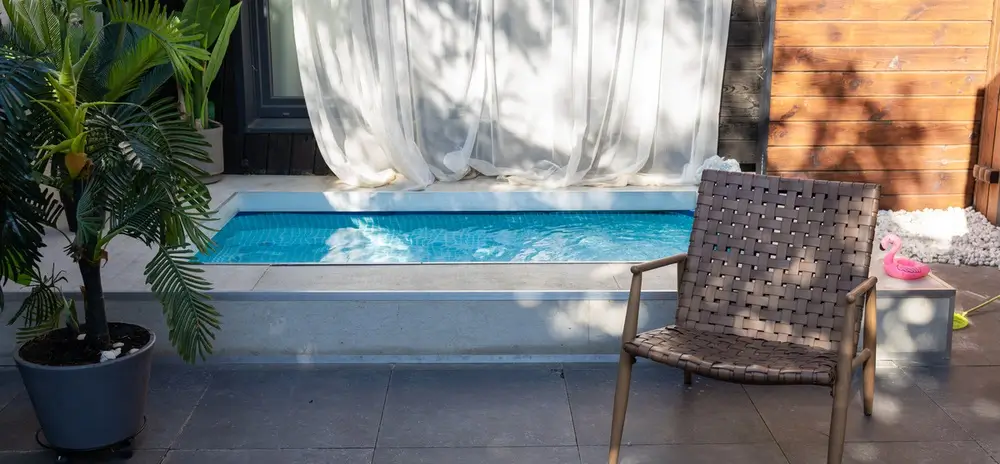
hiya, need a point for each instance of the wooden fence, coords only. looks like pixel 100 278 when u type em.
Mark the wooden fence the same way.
pixel 886 91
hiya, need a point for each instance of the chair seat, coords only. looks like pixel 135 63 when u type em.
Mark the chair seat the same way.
pixel 734 358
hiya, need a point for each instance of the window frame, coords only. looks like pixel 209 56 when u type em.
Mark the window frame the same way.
pixel 263 111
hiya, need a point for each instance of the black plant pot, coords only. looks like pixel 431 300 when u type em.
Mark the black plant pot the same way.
pixel 91 406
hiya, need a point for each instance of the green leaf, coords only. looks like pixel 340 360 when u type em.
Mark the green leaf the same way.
pixel 218 54
pixel 176 280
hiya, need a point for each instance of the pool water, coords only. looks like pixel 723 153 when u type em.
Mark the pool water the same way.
pixel 495 237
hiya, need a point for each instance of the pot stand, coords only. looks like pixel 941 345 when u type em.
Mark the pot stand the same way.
pixel 120 450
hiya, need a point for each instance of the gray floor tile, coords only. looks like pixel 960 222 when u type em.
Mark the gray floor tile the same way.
pixel 902 413
pixel 288 408
pixel 10 385
pixel 327 456
pixel 962 452
pixel 971 396
pixel 761 453
pixel 546 455
pixel 476 407
pixel 661 410
pixel 172 396
pixel 46 457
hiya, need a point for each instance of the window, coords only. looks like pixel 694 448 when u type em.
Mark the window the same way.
pixel 271 90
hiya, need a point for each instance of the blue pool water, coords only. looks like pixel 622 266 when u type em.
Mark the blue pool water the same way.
pixel 450 237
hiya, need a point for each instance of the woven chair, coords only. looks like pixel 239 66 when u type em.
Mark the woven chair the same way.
pixel 768 292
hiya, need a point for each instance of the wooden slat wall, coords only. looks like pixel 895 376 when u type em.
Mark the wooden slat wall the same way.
pixel 739 115
pixel 882 91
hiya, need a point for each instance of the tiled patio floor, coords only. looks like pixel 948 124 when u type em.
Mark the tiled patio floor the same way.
pixel 552 414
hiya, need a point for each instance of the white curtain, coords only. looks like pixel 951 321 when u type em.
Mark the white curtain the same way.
pixel 544 92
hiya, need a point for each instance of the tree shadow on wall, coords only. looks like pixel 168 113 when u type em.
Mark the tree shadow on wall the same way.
pixel 841 133
pixel 442 116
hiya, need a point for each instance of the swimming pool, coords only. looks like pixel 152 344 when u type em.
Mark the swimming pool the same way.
pixel 449 237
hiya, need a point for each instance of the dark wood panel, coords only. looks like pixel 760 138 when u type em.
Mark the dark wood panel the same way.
pixel 255 154
pixel 742 83
pixel 303 147
pixel 740 107
pixel 899 182
pixel 918 202
pixel 279 153
pixel 881 33
pixel 749 10
pixel 833 84
pixel 864 158
pixel 320 167
pixel 740 58
pixel 884 10
pixel 875 109
pixel 880 59
pixel 746 33
pixel 872 133
pixel 738 130
pixel 744 151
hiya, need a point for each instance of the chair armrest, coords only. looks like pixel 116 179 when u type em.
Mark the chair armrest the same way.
pixel 658 263
pixel 862 289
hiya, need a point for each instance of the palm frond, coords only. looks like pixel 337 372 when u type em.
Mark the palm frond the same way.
pixel 174 37
pixel 176 281
pixel 45 308
pixel 129 68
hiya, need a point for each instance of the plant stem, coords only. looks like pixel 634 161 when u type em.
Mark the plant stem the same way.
pixel 93 304
pixel 93 288
pixel 67 198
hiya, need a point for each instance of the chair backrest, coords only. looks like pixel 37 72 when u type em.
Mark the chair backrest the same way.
pixel 774 258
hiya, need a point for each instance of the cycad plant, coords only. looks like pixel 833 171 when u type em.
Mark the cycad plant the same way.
pixel 77 116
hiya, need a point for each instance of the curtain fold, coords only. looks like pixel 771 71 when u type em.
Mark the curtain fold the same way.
pixel 543 92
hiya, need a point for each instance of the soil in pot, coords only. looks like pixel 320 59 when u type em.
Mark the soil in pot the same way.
pixel 61 347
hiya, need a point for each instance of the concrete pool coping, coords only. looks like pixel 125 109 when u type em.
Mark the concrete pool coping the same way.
pixel 123 273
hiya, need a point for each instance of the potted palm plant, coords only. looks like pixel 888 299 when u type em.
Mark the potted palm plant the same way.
pixel 76 116
pixel 214 21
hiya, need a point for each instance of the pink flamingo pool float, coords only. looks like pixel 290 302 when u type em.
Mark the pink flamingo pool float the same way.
pixel 901 268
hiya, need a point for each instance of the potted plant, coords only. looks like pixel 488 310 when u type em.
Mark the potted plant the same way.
pixel 74 79
pixel 215 21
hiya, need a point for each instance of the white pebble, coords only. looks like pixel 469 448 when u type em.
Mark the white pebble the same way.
pixel 954 236
pixel 118 345
pixel 109 355
pixel 133 351
pixel 81 336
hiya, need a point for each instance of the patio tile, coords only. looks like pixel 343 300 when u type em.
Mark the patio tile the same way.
pixel 556 455
pixel 10 385
pixel 524 406
pixel 956 452
pixel 339 456
pixel 287 407
pixel 173 393
pixel 902 413
pixel 47 457
pixel 662 410
pixel 763 453
pixel 970 395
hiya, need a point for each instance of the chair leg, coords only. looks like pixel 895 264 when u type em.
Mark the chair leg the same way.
pixel 869 385
pixel 621 404
pixel 687 377
pixel 838 420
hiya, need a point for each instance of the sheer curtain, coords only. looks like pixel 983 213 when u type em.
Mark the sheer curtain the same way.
pixel 545 92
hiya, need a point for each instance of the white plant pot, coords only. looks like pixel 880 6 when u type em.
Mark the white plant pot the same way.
pixel 217 165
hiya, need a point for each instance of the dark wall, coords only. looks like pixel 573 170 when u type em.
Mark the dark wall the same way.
pixel 297 154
